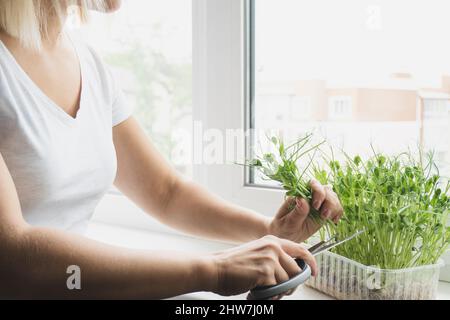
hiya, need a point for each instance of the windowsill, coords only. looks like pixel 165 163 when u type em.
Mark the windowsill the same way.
pixel 146 240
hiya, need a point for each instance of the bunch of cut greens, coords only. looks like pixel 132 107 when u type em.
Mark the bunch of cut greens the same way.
pixel 401 202
pixel 283 166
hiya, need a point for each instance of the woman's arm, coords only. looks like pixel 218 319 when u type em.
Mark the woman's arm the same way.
pixel 34 261
pixel 147 179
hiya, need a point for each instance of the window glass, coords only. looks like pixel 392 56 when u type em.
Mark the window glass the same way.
pixel 148 44
pixel 355 72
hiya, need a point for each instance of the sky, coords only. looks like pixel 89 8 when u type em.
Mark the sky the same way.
pixel 352 40
pixel 346 42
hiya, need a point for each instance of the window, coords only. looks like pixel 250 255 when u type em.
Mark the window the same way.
pixel 340 108
pixel 437 109
pixel 436 119
pixel 148 44
pixel 286 59
pixel 367 75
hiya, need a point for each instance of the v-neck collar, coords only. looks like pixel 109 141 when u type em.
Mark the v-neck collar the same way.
pixel 51 105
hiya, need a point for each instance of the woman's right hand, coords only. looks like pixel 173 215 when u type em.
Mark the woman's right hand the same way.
pixel 267 261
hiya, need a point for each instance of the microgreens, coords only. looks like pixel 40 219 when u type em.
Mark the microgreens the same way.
pixel 284 167
pixel 400 203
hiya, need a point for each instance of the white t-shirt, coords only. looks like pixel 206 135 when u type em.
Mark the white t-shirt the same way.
pixel 61 166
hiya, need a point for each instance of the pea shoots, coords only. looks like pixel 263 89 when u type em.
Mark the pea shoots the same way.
pixel 401 202
pixel 284 167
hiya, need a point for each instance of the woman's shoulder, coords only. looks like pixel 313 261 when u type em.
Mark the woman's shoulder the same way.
pixel 4 62
pixel 6 78
pixel 93 65
pixel 8 93
pixel 88 54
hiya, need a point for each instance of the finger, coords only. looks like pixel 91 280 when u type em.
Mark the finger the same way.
pixel 295 250
pixel 268 276
pixel 286 207
pixel 301 211
pixel 291 292
pixel 284 294
pixel 331 208
pixel 280 274
pixel 340 214
pixel 318 194
pixel 289 265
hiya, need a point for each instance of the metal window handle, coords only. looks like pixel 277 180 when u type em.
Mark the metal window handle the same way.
pixel 266 292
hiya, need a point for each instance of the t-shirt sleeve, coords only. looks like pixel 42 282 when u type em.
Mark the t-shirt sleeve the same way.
pixel 121 110
pixel 118 105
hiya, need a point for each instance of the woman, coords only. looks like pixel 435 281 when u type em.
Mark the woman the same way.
pixel 66 136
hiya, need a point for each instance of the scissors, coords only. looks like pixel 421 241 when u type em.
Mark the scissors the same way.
pixel 266 292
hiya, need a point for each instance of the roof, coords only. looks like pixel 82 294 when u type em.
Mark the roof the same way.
pixel 425 94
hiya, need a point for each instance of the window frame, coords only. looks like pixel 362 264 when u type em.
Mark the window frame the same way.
pixel 222 99
pixel 223 96
pixel 222 79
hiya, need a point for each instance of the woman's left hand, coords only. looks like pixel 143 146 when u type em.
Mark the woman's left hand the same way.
pixel 293 222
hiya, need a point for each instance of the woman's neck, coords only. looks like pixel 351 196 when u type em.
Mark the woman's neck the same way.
pixel 54 33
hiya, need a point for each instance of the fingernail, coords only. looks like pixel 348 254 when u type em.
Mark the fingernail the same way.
pixel 299 203
pixel 316 205
pixel 326 213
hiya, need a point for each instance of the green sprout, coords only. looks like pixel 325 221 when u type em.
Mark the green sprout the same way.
pixel 284 167
pixel 402 203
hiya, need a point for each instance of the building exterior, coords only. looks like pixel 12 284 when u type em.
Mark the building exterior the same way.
pixel 393 114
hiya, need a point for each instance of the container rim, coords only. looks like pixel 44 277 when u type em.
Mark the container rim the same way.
pixel 440 263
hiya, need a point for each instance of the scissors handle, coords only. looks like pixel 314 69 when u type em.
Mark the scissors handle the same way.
pixel 266 292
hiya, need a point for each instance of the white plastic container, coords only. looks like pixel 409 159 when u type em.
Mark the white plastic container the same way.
pixel 346 279
pixel 445 271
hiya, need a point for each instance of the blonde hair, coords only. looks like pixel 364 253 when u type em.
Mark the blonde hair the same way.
pixel 28 20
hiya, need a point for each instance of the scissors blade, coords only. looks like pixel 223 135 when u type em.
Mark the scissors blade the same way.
pixel 332 245
pixel 316 246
